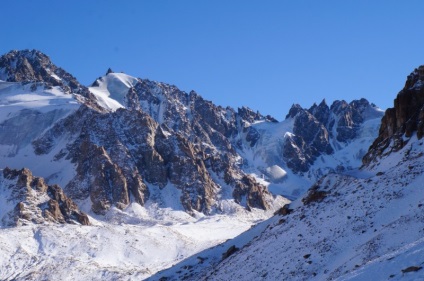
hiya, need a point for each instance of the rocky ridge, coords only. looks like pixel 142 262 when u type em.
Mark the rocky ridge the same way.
pixel 321 130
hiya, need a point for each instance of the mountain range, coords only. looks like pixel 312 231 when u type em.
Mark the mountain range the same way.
pixel 126 152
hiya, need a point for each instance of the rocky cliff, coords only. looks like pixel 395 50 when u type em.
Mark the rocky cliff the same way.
pixel 402 121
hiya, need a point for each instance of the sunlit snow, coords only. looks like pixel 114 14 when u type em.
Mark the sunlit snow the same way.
pixel 112 90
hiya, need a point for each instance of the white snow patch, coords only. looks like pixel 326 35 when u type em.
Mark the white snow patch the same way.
pixel 275 172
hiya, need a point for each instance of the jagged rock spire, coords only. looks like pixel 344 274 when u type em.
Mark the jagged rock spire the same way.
pixel 294 110
pixel 109 70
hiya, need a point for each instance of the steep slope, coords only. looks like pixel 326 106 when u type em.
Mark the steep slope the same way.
pixel 34 66
pixel 362 225
pixel 286 156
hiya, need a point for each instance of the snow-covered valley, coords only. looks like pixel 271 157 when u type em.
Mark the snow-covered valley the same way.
pixel 130 245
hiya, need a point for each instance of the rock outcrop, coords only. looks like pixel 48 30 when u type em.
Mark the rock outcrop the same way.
pixel 120 156
pixel 401 121
pixel 35 201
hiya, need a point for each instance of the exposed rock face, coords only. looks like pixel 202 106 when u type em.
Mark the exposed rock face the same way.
pixel 119 154
pixel 37 202
pixel 350 116
pixel 312 132
pixel 254 193
pixel 297 153
pixel 210 133
pixel 34 66
pixel 318 129
pixel 249 115
pixel 105 169
pixel 403 120
pixel 315 194
pixel 321 112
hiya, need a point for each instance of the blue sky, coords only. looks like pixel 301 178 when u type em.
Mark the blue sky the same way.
pixel 266 55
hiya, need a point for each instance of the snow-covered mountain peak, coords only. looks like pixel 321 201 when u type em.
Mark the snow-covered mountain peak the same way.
pixel 111 90
pixel 16 59
pixel 25 65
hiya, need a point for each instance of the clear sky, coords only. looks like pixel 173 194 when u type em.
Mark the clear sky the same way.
pixel 266 55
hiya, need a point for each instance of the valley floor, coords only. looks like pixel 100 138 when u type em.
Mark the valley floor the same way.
pixel 131 245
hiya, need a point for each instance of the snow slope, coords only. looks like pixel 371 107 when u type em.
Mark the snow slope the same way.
pixel 26 111
pixel 111 90
pixel 15 97
pixel 364 226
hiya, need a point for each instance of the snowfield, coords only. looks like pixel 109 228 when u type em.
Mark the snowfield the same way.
pixel 15 97
pixel 129 245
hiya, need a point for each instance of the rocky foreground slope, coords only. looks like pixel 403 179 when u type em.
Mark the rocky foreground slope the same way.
pixel 361 225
